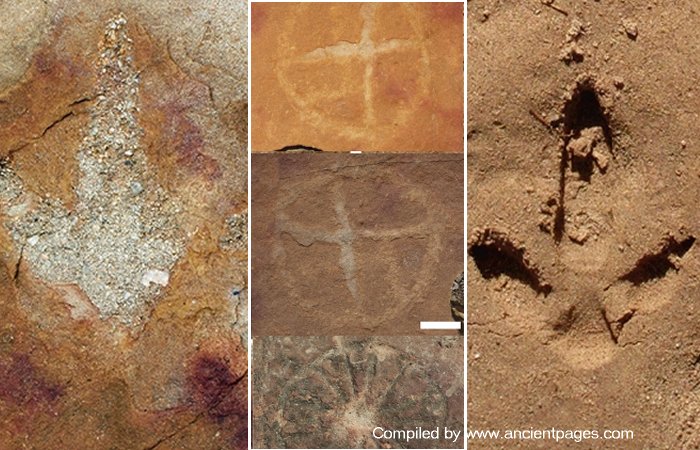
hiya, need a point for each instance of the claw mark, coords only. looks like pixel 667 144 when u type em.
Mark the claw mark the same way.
pixel 586 127
pixel 495 254
pixel 560 212
pixel 608 325
pixel 655 265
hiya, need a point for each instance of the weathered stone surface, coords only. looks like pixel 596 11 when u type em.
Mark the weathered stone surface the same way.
pixel 345 76
pixel 331 392
pixel 354 244
pixel 122 213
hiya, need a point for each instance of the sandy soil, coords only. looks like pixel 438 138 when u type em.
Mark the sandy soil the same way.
pixel 582 190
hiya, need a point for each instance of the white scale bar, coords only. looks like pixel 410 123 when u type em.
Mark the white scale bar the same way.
pixel 355 152
pixel 440 325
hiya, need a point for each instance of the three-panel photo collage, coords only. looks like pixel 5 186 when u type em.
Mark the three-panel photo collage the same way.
pixel 230 224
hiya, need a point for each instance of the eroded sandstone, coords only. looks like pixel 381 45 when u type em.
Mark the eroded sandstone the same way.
pixel 348 76
pixel 122 265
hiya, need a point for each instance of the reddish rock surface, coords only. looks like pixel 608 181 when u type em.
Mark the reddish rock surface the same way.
pixel 354 244
pixel 346 76
pixel 331 392
pixel 122 225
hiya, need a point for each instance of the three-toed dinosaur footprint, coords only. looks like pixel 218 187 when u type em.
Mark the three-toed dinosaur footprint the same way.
pixel 119 243
pixel 584 306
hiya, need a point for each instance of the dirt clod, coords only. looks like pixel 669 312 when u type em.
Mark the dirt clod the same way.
pixel 630 28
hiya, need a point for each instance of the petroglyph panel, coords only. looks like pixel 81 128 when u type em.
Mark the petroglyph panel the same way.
pixel 382 77
pixel 354 244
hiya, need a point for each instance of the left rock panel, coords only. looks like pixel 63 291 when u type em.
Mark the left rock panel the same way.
pixel 123 224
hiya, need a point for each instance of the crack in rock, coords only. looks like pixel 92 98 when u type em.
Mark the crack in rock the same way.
pixel 239 296
pixel 298 148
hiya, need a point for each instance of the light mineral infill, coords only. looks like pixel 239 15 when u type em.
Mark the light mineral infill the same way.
pixel 122 240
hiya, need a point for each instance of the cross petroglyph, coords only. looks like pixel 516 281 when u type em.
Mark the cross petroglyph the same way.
pixel 366 50
pixel 369 53
pixel 345 236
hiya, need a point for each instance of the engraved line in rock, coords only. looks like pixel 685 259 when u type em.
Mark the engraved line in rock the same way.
pixel 366 50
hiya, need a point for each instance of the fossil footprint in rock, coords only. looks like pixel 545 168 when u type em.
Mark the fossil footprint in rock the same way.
pixel 121 241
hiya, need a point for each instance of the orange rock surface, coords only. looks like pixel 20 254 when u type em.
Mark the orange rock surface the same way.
pixel 345 76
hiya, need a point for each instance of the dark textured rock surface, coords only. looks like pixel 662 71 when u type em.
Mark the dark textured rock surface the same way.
pixel 457 299
pixel 330 392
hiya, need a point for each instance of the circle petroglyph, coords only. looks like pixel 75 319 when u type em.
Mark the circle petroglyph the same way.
pixel 364 55
pixel 348 235
pixel 341 396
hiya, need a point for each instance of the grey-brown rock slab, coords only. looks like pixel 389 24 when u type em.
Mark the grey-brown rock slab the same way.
pixel 334 392
pixel 354 243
